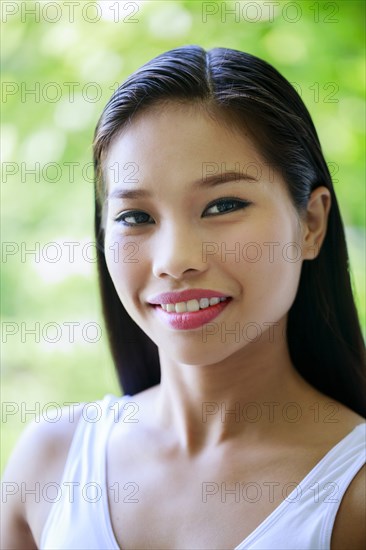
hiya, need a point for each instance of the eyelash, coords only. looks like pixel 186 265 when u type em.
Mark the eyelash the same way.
pixel 132 213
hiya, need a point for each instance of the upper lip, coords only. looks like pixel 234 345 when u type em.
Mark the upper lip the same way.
pixel 185 295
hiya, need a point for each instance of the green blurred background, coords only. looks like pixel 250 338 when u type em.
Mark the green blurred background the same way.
pixel 60 66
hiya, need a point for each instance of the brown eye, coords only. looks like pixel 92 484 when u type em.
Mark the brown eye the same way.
pixel 228 205
pixel 137 214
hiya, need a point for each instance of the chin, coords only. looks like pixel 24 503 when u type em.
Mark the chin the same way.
pixel 198 355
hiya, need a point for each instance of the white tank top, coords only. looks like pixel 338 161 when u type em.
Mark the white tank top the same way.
pixel 79 518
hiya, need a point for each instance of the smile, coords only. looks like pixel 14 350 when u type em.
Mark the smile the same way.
pixel 192 305
pixel 188 319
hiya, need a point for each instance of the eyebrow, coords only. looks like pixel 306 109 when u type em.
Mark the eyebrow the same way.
pixel 206 181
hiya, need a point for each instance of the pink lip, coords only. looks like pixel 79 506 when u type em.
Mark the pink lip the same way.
pixel 190 320
pixel 184 296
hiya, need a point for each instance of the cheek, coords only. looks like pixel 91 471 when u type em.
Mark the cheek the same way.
pixel 281 276
pixel 124 263
pixel 268 263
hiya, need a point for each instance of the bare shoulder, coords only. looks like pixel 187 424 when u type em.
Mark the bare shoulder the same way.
pixel 349 529
pixel 38 458
pixel 327 420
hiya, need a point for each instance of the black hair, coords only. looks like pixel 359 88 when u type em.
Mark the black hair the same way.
pixel 323 330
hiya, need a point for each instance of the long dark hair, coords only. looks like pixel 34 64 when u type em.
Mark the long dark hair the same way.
pixel 323 330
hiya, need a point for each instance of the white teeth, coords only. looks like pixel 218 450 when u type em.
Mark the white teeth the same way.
pixel 180 307
pixel 192 305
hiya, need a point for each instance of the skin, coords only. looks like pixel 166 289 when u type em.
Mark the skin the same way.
pixel 181 450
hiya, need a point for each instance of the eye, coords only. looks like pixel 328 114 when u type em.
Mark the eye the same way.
pixel 222 206
pixel 228 205
pixel 137 214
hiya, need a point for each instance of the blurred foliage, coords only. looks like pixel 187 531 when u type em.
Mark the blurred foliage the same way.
pixel 73 64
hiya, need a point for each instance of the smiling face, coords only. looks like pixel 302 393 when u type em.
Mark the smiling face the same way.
pixel 200 226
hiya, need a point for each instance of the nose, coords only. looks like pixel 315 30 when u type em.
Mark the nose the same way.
pixel 178 253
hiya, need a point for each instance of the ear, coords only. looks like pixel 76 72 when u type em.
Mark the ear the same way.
pixel 315 222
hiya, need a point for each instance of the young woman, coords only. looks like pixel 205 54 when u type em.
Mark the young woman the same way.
pixel 226 293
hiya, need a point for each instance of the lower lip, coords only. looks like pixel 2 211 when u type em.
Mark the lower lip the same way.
pixel 191 319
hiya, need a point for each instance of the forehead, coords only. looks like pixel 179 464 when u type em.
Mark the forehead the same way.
pixel 171 149
pixel 175 133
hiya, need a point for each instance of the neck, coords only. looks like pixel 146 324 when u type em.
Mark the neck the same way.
pixel 207 405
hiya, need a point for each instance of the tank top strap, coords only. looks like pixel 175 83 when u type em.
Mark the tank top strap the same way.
pixel 306 517
pixel 83 489
pixel 349 457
